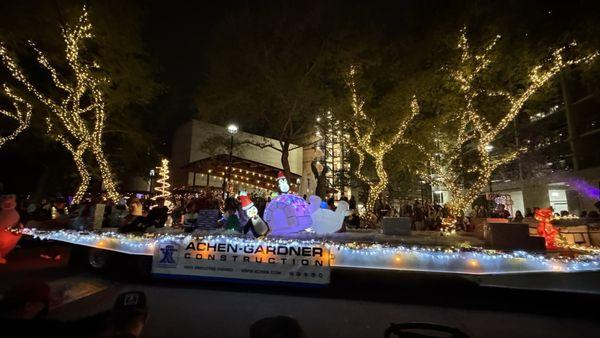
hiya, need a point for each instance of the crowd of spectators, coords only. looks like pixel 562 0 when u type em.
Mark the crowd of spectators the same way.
pixel 428 216
pixel 424 216
pixel 207 209
pixel 135 213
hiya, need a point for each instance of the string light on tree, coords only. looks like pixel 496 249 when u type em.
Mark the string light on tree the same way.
pixel 21 115
pixel 364 144
pixel 467 127
pixel 76 115
pixel 163 182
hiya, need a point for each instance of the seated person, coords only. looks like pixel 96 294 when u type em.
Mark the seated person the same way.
pixel 84 217
pixel 56 217
pixel 501 212
pixel 157 215
pixel 230 220
pixel 353 221
pixel 117 214
pixel 133 221
pixel 190 217
pixel 155 218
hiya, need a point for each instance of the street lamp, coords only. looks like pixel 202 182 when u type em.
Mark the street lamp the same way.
pixel 232 129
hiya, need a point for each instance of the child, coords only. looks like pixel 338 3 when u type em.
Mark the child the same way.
pixel 230 220
pixel 190 217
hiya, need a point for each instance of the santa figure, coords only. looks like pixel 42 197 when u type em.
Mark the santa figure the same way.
pixel 259 227
pixel 9 226
pixel 284 187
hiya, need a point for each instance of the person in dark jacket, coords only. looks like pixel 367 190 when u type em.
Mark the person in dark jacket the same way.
pixel 157 215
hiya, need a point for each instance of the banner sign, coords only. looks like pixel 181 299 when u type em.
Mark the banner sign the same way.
pixel 233 258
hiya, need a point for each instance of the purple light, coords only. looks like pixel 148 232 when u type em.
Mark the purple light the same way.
pixel 585 188
pixel 287 214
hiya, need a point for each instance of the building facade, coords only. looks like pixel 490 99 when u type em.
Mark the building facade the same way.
pixel 200 158
pixel 561 167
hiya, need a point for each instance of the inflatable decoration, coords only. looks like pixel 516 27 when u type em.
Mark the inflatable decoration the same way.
pixel 287 213
pixel 259 226
pixel 9 226
pixel 545 228
pixel 326 221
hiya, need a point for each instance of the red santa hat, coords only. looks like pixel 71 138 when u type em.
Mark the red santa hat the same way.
pixel 246 202
pixel 280 176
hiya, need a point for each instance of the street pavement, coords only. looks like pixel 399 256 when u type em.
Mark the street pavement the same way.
pixel 355 305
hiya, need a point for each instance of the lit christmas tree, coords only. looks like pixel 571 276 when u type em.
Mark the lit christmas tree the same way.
pixel 163 184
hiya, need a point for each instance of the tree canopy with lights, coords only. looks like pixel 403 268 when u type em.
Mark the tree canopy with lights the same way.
pixel 21 115
pixel 367 141
pixel 460 157
pixel 76 117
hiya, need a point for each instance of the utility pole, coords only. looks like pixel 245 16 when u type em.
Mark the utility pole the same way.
pixel 232 129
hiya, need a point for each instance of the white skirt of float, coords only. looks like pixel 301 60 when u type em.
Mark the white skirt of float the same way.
pixel 287 214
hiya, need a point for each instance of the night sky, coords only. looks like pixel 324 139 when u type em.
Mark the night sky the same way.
pixel 178 33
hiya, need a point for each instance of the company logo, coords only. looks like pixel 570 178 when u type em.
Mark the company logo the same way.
pixel 167 255
pixel 131 299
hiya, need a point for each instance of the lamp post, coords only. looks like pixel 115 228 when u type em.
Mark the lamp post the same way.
pixel 232 129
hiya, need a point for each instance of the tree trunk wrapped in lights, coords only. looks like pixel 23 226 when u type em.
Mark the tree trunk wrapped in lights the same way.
pixel 364 143
pixel 463 141
pixel 77 118
pixel 21 115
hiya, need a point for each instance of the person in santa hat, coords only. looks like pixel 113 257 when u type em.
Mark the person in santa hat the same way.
pixel 258 227
pixel 284 187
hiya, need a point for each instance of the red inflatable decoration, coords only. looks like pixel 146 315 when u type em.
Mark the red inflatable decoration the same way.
pixel 545 228
pixel 9 226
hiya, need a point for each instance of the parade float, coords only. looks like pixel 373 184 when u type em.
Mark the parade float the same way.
pixel 305 258
pixel 298 242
